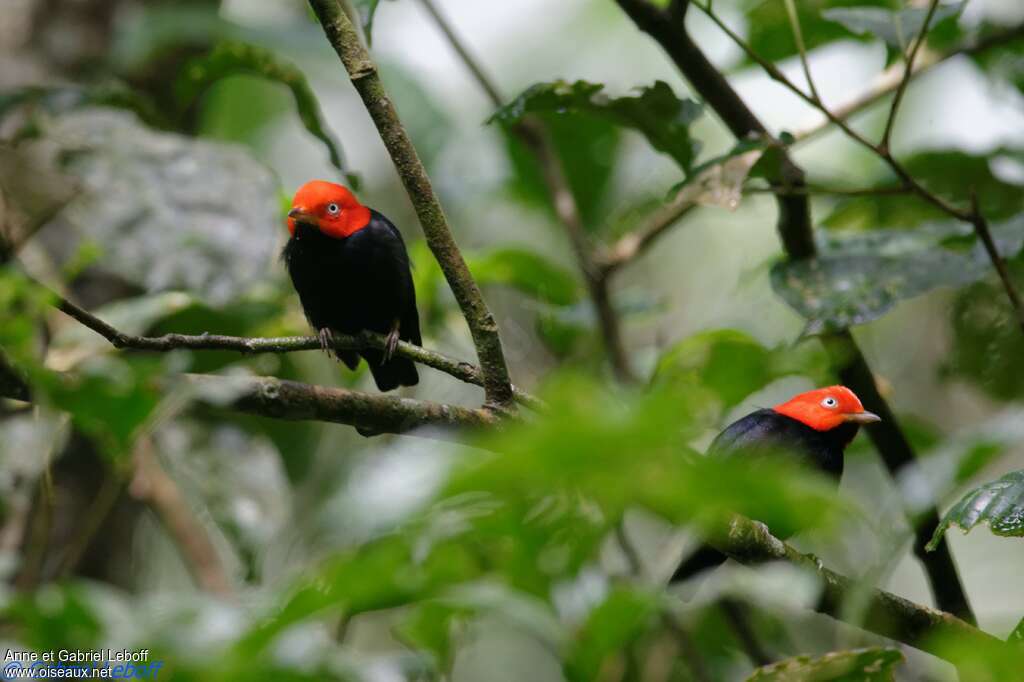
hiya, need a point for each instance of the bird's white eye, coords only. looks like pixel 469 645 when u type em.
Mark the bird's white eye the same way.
pixel 333 209
pixel 829 402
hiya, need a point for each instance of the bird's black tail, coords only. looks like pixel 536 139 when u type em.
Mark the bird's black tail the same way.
pixel 704 558
pixel 393 373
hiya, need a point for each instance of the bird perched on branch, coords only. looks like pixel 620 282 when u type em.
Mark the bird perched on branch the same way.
pixel 351 270
pixel 815 427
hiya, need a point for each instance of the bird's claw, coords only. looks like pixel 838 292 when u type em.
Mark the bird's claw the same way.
pixel 326 337
pixel 390 344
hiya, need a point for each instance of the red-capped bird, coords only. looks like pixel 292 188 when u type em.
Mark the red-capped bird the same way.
pixel 350 267
pixel 815 427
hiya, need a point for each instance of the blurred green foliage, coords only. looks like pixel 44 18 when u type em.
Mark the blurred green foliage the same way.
pixel 407 559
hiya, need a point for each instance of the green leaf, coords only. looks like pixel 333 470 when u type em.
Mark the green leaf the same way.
pixel 624 616
pixel 562 328
pixel 999 503
pixel 1017 636
pixel 898 29
pixel 527 271
pixel 656 112
pixel 587 147
pixel 389 572
pixel 234 58
pixel 770 35
pixel 859 277
pixel 109 398
pixel 876 664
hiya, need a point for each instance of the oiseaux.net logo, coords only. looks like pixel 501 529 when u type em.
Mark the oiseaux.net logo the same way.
pixel 66 665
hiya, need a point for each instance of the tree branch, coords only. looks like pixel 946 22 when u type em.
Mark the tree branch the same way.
pixel 343 37
pixel 632 244
pixel 459 369
pixel 797 237
pixel 371 413
pixel 636 242
pixel 532 134
pixel 889 615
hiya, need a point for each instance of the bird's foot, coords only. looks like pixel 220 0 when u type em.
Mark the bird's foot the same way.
pixel 326 337
pixel 390 344
pixel 817 562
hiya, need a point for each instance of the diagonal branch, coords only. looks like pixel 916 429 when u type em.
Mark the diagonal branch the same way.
pixel 532 134
pixel 343 36
pixel 635 242
pixel 152 485
pixel 985 235
pixel 889 615
pixel 797 237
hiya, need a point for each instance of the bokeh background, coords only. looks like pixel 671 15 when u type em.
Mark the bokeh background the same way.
pixel 154 195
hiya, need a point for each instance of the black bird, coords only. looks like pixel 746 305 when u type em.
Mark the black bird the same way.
pixel 350 267
pixel 815 427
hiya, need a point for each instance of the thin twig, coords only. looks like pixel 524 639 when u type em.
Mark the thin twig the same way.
pixel 981 228
pixel 908 72
pixel 890 79
pixel 459 369
pixel 883 153
pixel 344 38
pixel 532 134
pixel 798 36
pixel 811 190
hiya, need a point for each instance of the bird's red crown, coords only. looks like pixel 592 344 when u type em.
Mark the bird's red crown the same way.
pixel 329 207
pixel 824 409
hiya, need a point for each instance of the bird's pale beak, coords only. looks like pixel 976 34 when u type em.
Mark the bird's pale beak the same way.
pixel 301 215
pixel 864 417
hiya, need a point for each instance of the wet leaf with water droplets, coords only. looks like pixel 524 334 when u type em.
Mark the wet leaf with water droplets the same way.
pixel 859 277
pixel 999 503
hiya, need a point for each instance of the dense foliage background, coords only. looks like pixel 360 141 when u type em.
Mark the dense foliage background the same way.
pixel 148 152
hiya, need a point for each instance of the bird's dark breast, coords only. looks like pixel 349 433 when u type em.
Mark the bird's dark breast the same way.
pixel 341 283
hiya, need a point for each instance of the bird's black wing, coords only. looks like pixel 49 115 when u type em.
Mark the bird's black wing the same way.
pixel 395 296
pixel 759 433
